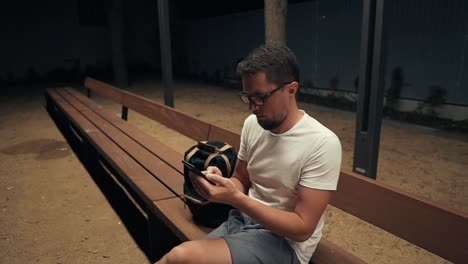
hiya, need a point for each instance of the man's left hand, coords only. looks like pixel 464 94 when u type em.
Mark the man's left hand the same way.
pixel 223 190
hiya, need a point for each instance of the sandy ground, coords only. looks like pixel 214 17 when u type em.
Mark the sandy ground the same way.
pixel 53 212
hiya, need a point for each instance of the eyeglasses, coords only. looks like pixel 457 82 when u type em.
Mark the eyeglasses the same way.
pixel 259 100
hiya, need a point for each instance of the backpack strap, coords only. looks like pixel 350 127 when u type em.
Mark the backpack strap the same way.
pixel 218 152
pixel 228 164
pixel 191 153
pixel 225 147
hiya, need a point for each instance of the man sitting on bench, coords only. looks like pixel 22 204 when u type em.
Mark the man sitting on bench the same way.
pixel 288 165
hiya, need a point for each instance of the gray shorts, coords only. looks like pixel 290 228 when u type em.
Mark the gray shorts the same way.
pixel 250 242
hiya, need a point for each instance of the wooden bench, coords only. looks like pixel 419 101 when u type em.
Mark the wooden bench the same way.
pixel 153 172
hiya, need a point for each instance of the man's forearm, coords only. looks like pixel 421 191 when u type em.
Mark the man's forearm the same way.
pixel 283 223
pixel 239 185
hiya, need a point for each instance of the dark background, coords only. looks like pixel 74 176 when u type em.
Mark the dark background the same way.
pixel 63 41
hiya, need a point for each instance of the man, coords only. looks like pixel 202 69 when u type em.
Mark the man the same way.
pixel 288 165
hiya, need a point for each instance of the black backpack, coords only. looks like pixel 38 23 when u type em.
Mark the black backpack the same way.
pixel 202 155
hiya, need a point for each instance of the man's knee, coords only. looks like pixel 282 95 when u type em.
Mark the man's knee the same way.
pixel 184 253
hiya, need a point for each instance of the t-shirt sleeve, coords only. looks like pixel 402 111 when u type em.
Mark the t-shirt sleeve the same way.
pixel 242 154
pixel 322 166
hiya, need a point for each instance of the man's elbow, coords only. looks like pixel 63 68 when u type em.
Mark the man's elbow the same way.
pixel 304 231
pixel 302 237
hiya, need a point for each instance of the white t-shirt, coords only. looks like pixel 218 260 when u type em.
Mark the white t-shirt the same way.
pixel 308 154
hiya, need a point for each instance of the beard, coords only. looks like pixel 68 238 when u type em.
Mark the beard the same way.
pixel 269 124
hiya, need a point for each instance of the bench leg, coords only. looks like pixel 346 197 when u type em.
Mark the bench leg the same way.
pixel 161 239
pixel 50 106
pixel 124 113
pixel 88 154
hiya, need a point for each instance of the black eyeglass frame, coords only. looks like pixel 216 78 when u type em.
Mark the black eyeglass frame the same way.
pixel 263 98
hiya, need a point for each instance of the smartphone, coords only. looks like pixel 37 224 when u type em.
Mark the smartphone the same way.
pixel 191 167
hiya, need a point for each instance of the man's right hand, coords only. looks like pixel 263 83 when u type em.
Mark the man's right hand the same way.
pixel 213 170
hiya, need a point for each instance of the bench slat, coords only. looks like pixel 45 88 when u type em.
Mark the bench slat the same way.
pixel 166 174
pixel 222 134
pixel 164 152
pixel 139 179
pixel 170 117
pixel 178 121
pixel 178 218
pixel 329 253
pixel 104 89
pixel 437 228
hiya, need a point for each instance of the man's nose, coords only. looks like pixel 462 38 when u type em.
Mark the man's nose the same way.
pixel 252 106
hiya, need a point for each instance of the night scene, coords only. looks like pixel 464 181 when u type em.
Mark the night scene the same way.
pixel 263 131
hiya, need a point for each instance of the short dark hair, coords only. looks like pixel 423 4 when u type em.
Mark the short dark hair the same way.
pixel 277 61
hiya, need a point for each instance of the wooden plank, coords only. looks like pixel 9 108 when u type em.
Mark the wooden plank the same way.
pixel 164 152
pixel 222 134
pixel 138 178
pixel 158 168
pixel 170 117
pixel 104 89
pixel 178 218
pixel 432 226
pixel 329 253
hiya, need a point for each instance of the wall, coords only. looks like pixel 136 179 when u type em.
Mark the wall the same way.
pixel 428 39
pixel 217 44
pixel 47 35
pixel 450 111
pixel 44 36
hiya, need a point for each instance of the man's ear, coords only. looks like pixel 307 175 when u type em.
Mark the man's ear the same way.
pixel 293 87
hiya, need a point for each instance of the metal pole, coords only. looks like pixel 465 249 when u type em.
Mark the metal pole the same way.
pixel 165 41
pixel 124 114
pixel 370 91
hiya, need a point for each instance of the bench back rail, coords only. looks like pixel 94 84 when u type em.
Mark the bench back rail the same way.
pixel 183 123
